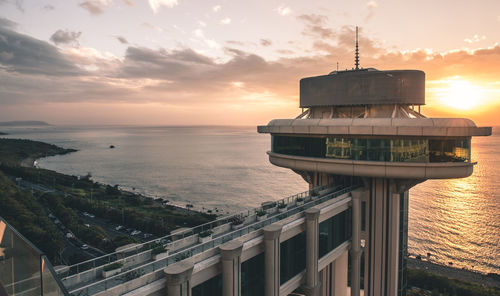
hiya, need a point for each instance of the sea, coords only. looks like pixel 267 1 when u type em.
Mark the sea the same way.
pixel 226 169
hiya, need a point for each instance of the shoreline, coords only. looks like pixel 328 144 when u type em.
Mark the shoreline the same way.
pixel 30 162
pixel 489 280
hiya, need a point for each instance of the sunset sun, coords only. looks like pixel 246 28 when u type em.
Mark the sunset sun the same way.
pixel 461 94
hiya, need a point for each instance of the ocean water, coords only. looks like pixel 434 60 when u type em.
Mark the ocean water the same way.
pixel 227 168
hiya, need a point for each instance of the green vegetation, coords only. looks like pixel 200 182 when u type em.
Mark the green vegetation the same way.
pixel 112 266
pixel 205 233
pixel 281 205
pixel 13 151
pixel 158 250
pixel 260 212
pixel 29 218
pixel 440 285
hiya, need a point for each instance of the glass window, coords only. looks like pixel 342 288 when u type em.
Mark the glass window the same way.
pixel 252 276
pixel 211 287
pixel 394 150
pixel 293 257
pixel 455 150
pixel 334 231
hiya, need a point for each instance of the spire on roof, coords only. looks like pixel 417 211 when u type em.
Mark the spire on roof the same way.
pixel 356 59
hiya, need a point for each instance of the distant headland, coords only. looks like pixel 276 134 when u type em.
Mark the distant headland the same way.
pixel 23 123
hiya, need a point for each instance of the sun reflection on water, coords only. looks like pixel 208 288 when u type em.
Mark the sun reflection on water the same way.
pixel 458 220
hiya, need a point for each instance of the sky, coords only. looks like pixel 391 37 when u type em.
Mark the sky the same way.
pixel 234 62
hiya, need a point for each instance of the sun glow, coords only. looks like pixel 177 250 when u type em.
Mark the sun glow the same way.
pixel 461 94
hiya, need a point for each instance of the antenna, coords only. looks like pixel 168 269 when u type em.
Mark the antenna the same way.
pixel 337 66
pixel 356 59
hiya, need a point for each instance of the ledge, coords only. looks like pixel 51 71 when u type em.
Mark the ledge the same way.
pixel 428 127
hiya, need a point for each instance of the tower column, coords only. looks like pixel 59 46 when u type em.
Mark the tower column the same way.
pixel 272 259
pixel 231 268
pixel 312 286
pixel 356 242
pixel 178 278
pixel 393 270
pixel 383 252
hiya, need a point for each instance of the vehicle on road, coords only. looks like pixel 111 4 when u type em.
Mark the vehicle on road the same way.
pixel 135 232
pixel 85 247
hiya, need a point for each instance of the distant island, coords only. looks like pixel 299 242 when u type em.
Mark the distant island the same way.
pixel 3 134
pixel 23 123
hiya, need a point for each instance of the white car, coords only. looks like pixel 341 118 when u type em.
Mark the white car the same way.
pixel 119 227
pixel 135 232
pixel 85 247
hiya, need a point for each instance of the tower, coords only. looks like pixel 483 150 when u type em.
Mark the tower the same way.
pixel 364 126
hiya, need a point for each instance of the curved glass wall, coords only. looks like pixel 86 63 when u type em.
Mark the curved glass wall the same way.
pixel 375 149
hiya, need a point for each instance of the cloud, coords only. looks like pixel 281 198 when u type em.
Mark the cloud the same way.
pixel 65 37
pixel 266 42
pixel 225 21
pixel 313 19
pixel 285 51
pixel 207 41
pixel 24 54
pixel 151 26
pixel 95 7
pixel 157 4
pixel 20 5
pixel 48 7
pixel 371 6
pixel 6 23
pixel 216 8
pixel 474 39
pixel 129 2
pixel 284 10
pixel 235 42
pixel 121 39
pixel 315 26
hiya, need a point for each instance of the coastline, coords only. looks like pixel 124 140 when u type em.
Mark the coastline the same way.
pixel 489 280
pixel 30 162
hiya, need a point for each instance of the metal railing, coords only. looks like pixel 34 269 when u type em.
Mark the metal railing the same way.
pixel 151 267
pixel 77 268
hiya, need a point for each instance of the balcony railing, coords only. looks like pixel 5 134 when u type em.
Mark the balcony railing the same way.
pixel 24 269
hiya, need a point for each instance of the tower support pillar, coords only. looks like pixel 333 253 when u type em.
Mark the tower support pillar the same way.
pixel 356 241
pixel 231 268
pixel 312 285
pixel 272 259
pixel 178 278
